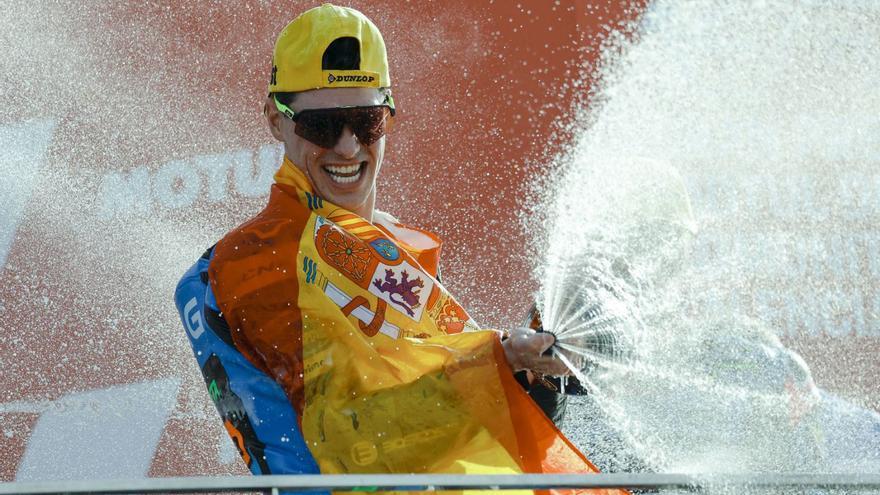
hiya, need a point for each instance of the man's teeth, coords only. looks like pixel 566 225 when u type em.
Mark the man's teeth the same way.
pixel 343 173
pixel 344 169
pixel 345 180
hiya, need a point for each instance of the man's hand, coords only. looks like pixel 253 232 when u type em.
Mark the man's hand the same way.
pixel 523 350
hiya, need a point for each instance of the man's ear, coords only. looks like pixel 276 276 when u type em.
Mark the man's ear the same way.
pixel 273 118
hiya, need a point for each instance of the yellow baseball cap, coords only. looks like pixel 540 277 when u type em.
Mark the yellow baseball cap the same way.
pixel 299 50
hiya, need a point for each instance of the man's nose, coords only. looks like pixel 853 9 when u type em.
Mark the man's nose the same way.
pixel 347 146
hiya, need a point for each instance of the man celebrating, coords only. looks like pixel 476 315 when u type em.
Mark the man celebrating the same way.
pixel 323 332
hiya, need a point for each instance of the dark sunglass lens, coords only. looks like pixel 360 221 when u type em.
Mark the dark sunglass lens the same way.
pixel 368 124
pixel 322 128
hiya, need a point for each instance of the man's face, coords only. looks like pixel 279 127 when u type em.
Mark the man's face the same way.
pixel 346 173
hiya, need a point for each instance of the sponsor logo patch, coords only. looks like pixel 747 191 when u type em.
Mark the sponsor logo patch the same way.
pixel 364 79
pixel 352 78
pixel 193 319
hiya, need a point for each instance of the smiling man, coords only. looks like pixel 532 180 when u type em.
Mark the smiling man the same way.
pixel 323 332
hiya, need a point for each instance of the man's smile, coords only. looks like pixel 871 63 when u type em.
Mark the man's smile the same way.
pixel 345 173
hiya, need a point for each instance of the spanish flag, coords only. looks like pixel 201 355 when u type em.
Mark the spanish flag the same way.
pixel 386 371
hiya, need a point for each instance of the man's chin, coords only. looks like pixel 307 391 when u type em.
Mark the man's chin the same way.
pixel 350 199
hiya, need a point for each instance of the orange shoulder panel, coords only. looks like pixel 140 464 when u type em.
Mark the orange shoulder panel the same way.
pixel 253 274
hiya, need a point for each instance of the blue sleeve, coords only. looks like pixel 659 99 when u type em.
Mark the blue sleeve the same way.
pixel 253 407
